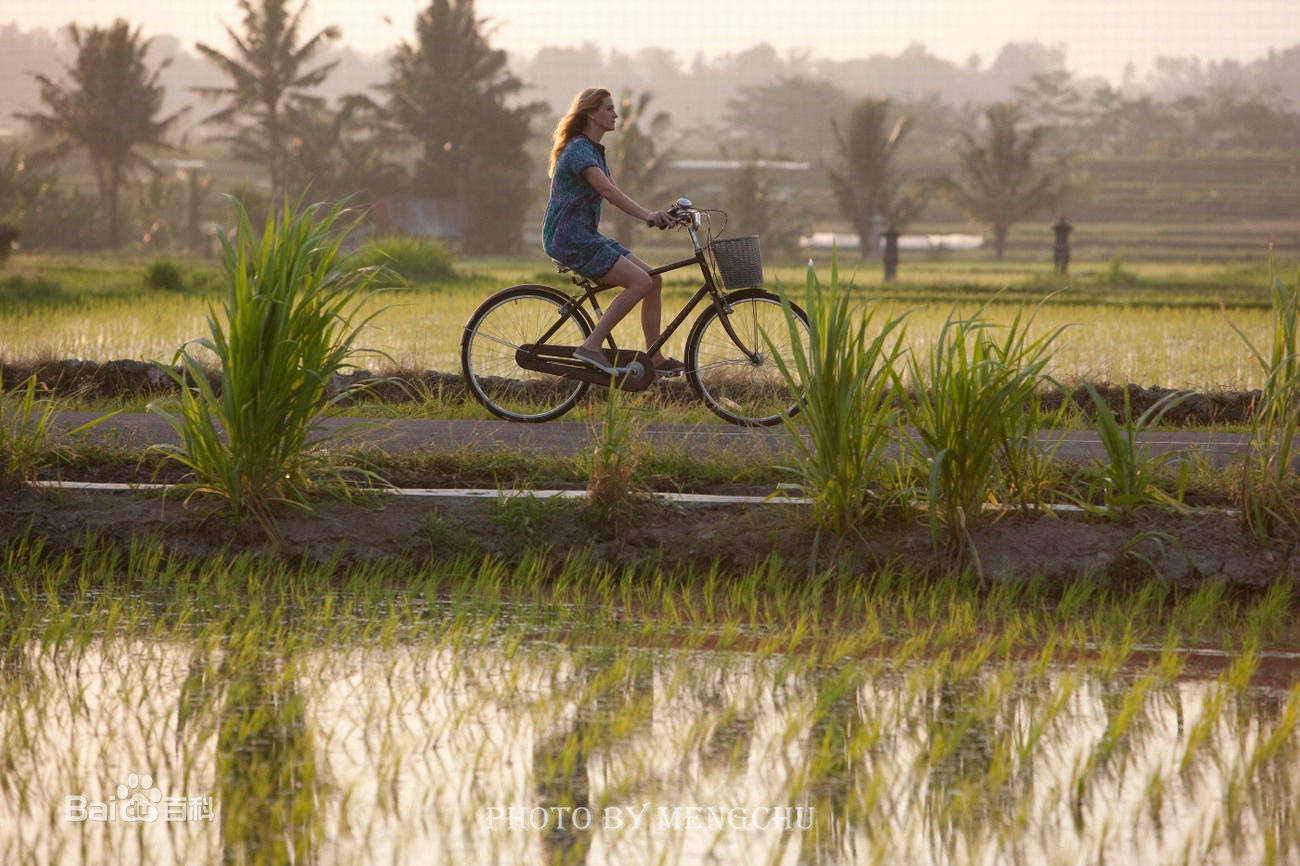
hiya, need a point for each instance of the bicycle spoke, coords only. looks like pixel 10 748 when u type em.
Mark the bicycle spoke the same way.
pixel 719 364
pixel 742 388
pixel 498 341
pixel 488 360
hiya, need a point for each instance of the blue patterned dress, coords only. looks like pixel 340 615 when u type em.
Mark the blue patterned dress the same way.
pixel 570 232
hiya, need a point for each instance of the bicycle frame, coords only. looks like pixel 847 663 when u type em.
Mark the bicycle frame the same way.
pixel 709 287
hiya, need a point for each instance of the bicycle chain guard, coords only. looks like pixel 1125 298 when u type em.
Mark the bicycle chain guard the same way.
pixel 636 372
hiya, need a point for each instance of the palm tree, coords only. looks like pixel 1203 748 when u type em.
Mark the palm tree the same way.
pixel 268 72
pixel 452 94
pixel 866 183
pixel 998 182
pixel 341 152
pixel 634 160
pixel 108 107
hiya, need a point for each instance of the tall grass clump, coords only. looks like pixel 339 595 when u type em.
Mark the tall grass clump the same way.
pixel 611 484
pixel 27 433
pixel 289 324
pixel 414 260
pixel 1268 492
pixel 967 402
pixel 1128 478
pixel 164 275
pixel 849 378
pixel 1030 473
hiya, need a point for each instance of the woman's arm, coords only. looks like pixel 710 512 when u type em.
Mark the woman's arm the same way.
pixel 621 200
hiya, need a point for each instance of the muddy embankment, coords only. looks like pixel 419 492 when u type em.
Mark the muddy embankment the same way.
pixel 1184 549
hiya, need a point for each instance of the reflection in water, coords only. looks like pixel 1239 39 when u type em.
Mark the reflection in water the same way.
pixel 397 750
pixel 560 770
pixel 563 791
pixel 267 779
pixel 841 797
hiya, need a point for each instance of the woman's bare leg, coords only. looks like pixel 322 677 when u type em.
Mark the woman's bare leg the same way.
pixel 651 308
pixel 638 284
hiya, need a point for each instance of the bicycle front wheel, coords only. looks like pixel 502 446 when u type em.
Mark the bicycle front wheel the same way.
pixel 509 319
pixel 741 382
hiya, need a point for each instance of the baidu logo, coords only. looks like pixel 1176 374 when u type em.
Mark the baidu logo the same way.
pixel 138 800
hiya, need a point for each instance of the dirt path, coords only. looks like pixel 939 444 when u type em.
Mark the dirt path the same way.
pixel 562 438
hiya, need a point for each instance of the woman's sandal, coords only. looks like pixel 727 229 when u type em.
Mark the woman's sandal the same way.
pixel 594 358
pixel 670 367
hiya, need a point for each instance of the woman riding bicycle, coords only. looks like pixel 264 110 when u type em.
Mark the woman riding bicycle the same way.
pixel 580 180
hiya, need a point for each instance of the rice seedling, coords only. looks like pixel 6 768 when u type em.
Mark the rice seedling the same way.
pixel 850 385
pixel 1197 611
pixel 965 403
pixel 1269 614
pixel 1282 737
pixel 289 325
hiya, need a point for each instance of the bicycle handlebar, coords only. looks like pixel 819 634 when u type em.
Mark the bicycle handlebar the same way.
pixel 679 213
pixel 678 218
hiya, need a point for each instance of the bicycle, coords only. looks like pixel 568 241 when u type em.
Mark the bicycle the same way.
pixel 517 347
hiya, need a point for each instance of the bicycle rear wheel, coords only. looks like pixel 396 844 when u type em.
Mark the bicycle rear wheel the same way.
pixel 503 323
pixel 747 391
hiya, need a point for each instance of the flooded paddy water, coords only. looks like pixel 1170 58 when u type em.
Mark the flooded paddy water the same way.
pixel 155 709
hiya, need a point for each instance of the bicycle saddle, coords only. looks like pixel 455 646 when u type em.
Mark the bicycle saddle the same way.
pixel 578 279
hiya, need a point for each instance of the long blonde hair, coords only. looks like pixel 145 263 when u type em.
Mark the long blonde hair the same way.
pixel 586 103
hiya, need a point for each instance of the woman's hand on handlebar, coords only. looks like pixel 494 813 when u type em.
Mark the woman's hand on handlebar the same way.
pixel 663 219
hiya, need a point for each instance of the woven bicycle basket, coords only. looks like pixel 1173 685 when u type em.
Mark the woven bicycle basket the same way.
pixel 740 263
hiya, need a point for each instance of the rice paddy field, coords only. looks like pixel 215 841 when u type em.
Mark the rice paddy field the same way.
pixel 159 706
pixel 561 712
pixel 1151 325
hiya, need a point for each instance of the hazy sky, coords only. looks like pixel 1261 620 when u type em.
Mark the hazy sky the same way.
pixel 1099 35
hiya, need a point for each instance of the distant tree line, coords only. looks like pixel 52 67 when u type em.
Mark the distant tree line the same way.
pixel 702 93
pixel 454 120
pixel 795 116
pixel 450 101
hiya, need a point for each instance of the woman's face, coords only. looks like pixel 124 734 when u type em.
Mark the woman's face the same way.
pixel 605 117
